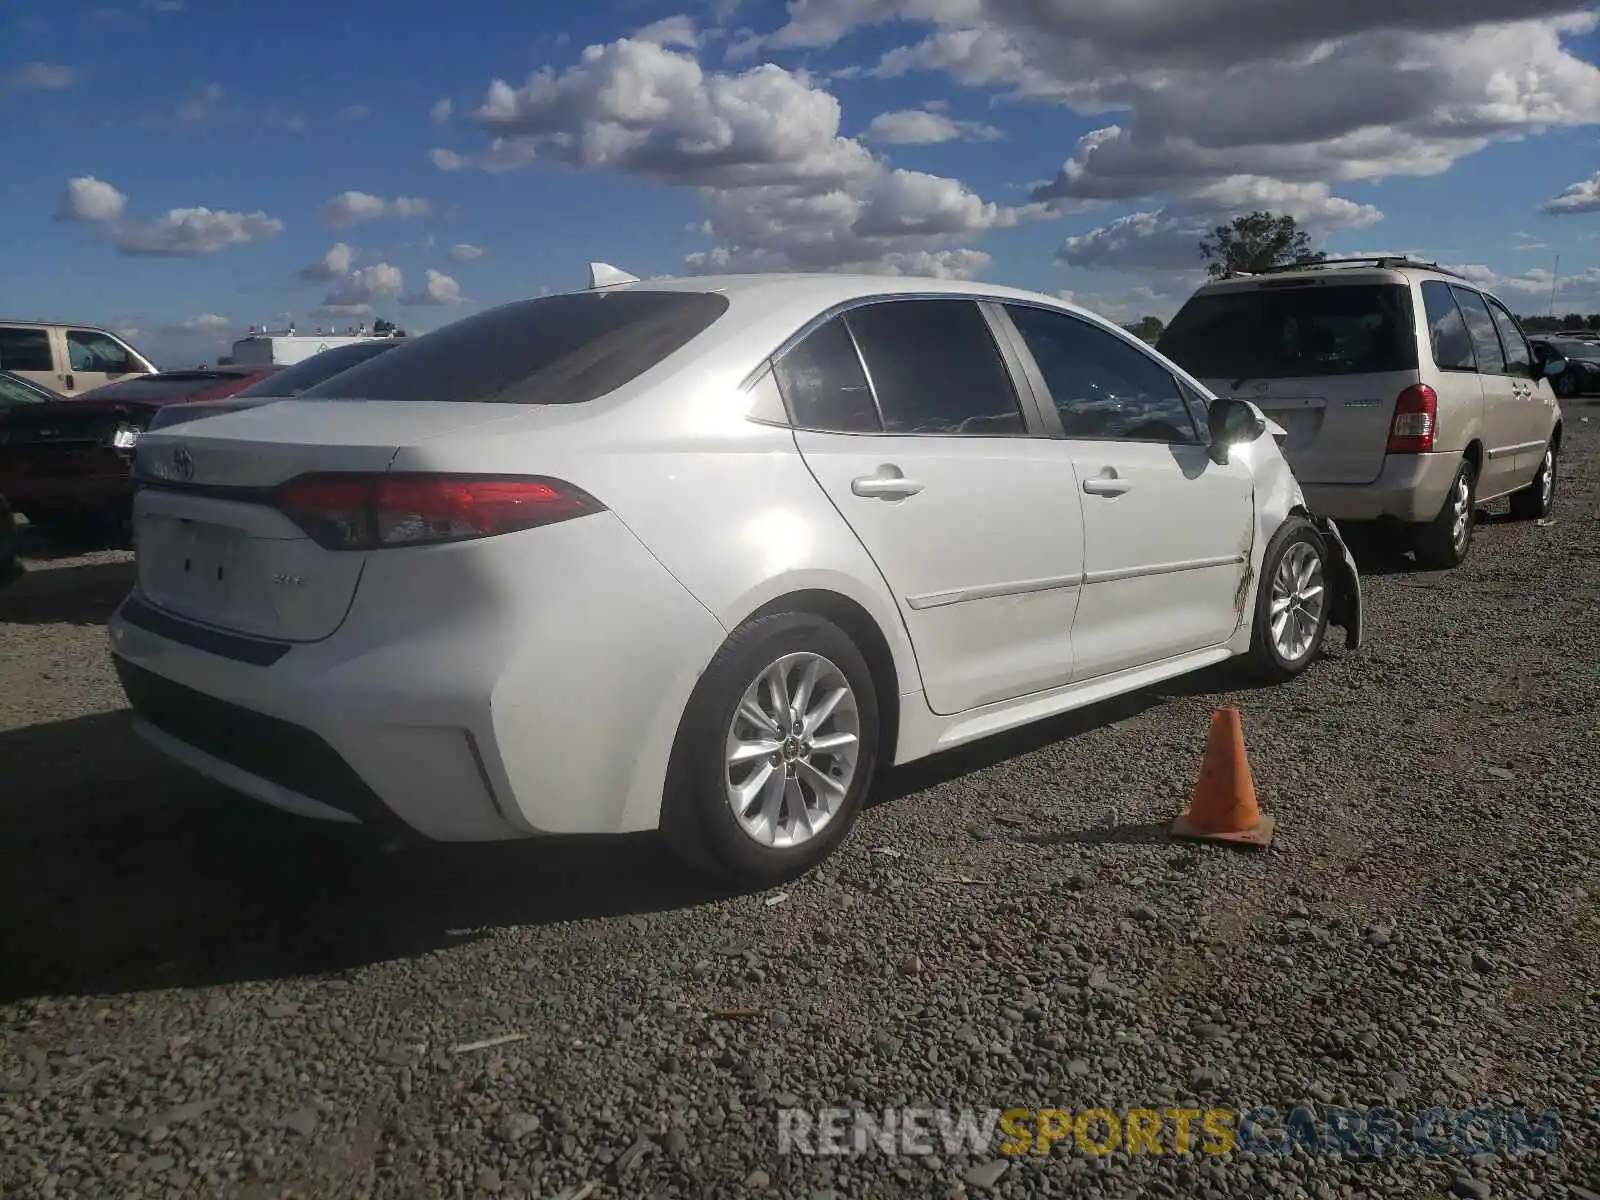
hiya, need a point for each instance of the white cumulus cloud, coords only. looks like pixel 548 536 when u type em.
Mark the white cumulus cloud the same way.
pixel 464 252
pixel 440 289
pixel 1581 197
pixel 177 233
pixel 335 264
pixel 361 287
pixel 762 148
pixel 40 77
pixel 353 208
pixel 925 127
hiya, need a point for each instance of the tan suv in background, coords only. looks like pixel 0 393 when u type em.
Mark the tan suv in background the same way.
pixel 69 359
pixel 1409 396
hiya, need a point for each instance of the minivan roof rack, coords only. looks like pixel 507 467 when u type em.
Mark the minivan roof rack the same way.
pixel 1381 261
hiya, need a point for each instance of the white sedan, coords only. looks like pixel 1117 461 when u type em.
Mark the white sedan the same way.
pixel 701 555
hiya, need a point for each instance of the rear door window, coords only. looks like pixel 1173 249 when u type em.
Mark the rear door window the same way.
pixel 824 386
pixel 1292 329
pixel 1480 325
pixel 564 349
pixel 1519 356
pixel 25 350
pixel 936 369
pixel 1447 329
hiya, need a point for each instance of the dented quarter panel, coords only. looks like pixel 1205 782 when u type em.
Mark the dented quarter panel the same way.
pixel 1277 495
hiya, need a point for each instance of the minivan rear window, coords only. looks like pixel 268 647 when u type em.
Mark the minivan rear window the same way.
pixel 1282 333
pixel 552 350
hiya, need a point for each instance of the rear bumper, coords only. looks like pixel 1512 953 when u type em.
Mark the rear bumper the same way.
pixel 1411 488
pixel 475 692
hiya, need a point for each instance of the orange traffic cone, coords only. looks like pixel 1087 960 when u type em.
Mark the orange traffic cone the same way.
pixel 1223 806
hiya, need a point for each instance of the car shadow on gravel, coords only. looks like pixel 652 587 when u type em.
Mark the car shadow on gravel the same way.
pixel 122 873
pixel 78 595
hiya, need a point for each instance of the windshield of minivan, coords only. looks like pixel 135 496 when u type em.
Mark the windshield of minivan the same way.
pixel 563 349
pixel 1298 331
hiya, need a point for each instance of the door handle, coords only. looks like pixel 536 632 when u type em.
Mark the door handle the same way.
pixel 1106 484
pixel 68 380
pixel 887 484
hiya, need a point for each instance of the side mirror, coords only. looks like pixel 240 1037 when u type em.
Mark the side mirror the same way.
pixel 1550 367
pixel 1231 422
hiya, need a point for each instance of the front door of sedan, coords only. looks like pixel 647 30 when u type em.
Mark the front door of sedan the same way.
pixel 1167 532
pixel 907 416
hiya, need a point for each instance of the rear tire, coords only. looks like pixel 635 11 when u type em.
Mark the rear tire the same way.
pixel 1442 543
pixel 769 840
pixel 1292 603
pixel 1535 502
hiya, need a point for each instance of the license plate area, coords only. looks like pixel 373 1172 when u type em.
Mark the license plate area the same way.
pixel 196 568
pixel 1302 423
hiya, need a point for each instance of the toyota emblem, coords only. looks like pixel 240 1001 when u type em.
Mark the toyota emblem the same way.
pixel 183 463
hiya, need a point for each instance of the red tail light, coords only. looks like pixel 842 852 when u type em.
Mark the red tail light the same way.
pixel 371 512
pixel 1416 421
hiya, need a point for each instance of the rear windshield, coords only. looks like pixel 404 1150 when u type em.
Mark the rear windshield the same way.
pixel 14 391
pixel 162 387
pixel 553 350
pixel 1294 332
pixel 291 381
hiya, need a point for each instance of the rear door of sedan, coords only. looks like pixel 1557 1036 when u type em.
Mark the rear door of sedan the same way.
pixel 907 413
pixel 1168 532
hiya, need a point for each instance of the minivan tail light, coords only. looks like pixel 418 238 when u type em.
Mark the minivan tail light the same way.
pixel 374 512
pixel 1416 421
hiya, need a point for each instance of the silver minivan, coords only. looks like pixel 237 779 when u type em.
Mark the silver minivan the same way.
pixel 1409 395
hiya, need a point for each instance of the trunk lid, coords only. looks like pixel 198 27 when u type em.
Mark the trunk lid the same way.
pixel 67 422
pixel 1338 427
pixel 211 546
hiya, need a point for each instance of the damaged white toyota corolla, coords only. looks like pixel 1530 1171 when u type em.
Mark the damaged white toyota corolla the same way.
pixel 701 555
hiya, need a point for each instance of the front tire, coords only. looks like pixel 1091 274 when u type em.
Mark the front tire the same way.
pixel 775 754
pixel 1442 543
pixel 1292 603
pixel 1535 502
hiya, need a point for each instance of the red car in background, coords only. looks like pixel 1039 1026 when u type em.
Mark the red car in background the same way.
pixel 65 464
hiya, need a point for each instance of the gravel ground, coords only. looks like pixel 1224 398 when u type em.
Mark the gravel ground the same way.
pixel 199 998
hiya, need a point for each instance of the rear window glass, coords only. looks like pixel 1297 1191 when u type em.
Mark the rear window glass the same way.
pixel 15 391
pixel 314 370
pixel 553 350
pixel 147 387
pixel 1298 332
pixel 1589 350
